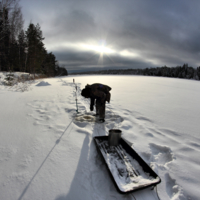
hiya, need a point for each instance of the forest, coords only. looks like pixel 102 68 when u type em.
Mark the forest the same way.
pixel 24 50
pixel 184 72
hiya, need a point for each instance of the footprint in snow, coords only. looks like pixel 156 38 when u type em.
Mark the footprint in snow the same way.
pixel 149 134
pixel 143 119
pixel 161 154
pixel 194 145
pixel 7 152
pixel 173 190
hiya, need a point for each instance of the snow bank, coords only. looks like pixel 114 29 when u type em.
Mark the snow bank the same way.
pixel 43 83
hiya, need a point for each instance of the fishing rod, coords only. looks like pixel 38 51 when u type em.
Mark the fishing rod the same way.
pixel 76 96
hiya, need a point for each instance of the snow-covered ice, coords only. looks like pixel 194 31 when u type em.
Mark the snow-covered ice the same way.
pixel 47 150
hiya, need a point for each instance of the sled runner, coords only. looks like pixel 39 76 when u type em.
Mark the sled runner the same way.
pixel 128 170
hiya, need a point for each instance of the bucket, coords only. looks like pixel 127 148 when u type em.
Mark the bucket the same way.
pixel 114 137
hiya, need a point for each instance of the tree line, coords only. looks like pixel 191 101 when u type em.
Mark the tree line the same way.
pixel 184 71
pixel 23 50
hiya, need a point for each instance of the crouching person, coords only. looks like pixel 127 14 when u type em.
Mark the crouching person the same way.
pixel 98 94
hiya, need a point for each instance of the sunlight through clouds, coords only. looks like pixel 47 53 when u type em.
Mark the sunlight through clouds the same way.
pixel 98 48
pixel 129 34
pixel 129 53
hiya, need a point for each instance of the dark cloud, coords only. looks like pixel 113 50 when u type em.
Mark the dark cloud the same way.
pixel 76 25
pixel 160 32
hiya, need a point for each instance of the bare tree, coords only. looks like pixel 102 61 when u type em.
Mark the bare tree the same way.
pixel 11 23
pixel 5 7
pixel 16 22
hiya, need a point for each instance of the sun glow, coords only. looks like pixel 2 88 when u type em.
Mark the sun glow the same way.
pixel 99 48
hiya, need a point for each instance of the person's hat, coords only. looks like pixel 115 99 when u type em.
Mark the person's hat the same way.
pixel 85 92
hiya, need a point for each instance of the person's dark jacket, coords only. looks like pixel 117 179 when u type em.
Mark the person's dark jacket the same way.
pixel 98 91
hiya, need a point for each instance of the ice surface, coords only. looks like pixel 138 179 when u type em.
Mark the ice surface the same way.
pixel 46 154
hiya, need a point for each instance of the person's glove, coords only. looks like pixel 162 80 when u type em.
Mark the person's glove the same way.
pixel 91 108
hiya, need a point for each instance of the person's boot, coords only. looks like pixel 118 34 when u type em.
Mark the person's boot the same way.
pixel 101 120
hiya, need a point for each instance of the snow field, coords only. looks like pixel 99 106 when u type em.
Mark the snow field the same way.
pixel 47 154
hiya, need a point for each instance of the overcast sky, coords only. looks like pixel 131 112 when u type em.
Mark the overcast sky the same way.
pixel 102 34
